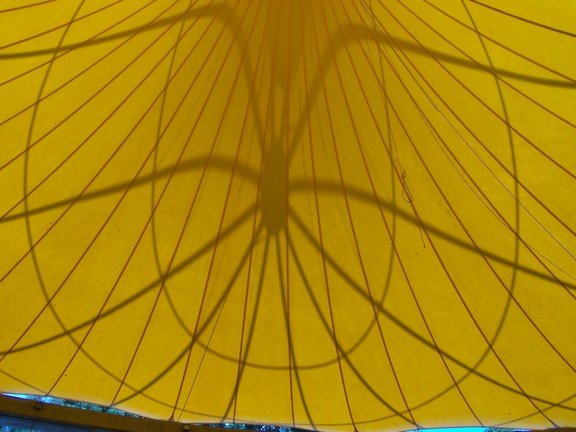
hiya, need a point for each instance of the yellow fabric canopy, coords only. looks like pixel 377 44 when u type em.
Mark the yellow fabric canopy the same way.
pixel 330 214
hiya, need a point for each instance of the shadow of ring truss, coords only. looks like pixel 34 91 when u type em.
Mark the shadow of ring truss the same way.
pixel 238 228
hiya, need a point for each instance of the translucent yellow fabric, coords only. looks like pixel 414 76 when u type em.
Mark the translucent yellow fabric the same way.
pixel 338 215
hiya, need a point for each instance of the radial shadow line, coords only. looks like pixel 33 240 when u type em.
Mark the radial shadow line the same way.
pixel 49 304
pixel 330 187
pixel 403 326
pixel 68 24
pixel 344 190
pixel 18 380
pixel 526 20
pixel 353 29
pixel 356 33
pixel 12 9
pixel 244 355
pixel 217 162
pixel 294 368
pixel 244 169
pixel 177 269
pixel 502 45
pixel 337 344
pixel 195 12
pixel 201 329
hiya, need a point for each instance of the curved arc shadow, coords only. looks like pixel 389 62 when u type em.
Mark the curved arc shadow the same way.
pixel 168 274
pixel 510 298
pixel 67 331
pixel 407 329
pixel 405 45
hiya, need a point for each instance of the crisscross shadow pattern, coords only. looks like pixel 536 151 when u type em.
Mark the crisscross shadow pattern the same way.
pixel 333 215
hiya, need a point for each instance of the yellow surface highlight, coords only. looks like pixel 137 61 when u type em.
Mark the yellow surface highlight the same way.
pixel 334 215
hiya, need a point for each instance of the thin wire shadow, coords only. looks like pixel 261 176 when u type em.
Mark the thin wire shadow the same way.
pixel 240 220
pixel 297 185
pixel 243 363
pixel 364 32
